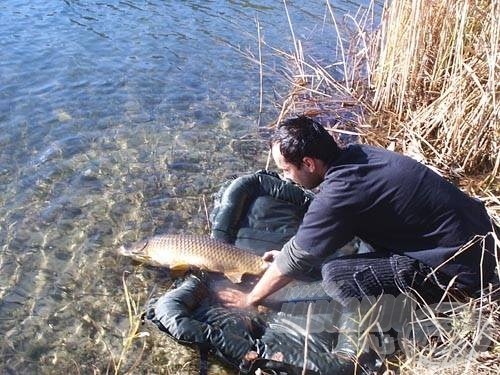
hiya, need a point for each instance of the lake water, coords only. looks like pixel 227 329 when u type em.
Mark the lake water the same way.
pixel 119 120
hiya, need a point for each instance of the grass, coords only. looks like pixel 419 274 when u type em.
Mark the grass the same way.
pixel 129 337
pixel 453 336
pixel 436 83
pixel 461 338
pixel 426 84
pixel 451 339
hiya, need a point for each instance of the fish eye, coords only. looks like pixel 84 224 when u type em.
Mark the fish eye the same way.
pixel 144 245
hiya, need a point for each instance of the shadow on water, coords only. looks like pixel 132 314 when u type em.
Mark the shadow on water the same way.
pixel 118 120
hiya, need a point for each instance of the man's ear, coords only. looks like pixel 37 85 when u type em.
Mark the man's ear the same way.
pixel 309 163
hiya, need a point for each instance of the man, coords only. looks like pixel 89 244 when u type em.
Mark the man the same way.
pixel 418 223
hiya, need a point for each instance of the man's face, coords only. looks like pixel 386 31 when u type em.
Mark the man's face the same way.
pixel 305 175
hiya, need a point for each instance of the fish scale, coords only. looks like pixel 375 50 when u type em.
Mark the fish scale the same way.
pixel 184 251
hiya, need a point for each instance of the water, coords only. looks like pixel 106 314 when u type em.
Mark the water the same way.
pixel 119 120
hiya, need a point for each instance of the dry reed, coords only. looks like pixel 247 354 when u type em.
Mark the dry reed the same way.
pixel 436 83
pixel 425 84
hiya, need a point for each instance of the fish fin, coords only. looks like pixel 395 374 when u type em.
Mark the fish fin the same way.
pixel 235 277
pixel 177 273
pixel 181 267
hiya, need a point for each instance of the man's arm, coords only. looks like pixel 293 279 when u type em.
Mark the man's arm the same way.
pixel 289 263
pixel 295 262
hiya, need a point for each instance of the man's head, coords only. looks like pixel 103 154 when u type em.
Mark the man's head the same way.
pixel 302 148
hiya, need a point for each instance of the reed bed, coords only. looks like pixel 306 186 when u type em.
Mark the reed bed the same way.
pixel 435 83
pixel 425 82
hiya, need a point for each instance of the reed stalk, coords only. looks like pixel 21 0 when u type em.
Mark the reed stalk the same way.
pixel 426 83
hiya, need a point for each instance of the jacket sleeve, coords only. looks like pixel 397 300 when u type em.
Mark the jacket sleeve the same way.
pixel 295 262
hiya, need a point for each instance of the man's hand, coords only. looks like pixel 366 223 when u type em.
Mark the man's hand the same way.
pixel 234 298
pixel 270 256
pixel 270 282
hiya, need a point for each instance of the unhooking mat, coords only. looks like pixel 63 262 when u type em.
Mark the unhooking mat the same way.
pixel 190 314
pixel 258 212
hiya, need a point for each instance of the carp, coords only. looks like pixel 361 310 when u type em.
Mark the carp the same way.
pixel 181 252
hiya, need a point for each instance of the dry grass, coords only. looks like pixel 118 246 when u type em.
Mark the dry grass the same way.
pixel 129 337
pixel 462 339
pixel 454 337
pixel 457 335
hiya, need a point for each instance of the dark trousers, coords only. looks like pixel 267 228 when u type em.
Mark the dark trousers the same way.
pixel 375 274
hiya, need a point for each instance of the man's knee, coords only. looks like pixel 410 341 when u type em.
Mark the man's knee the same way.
pixel 357 278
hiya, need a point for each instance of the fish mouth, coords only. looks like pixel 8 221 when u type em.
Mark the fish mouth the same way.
pixel 122 250
pixel 134 250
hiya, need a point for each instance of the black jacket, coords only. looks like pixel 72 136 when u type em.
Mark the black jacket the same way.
pixel 398 205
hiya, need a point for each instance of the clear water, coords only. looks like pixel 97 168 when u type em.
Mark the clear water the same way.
pixel 119 119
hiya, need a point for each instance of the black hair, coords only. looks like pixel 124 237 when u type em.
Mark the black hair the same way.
pixel 301 137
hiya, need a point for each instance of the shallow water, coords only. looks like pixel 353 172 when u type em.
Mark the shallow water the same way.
pixel 119 120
